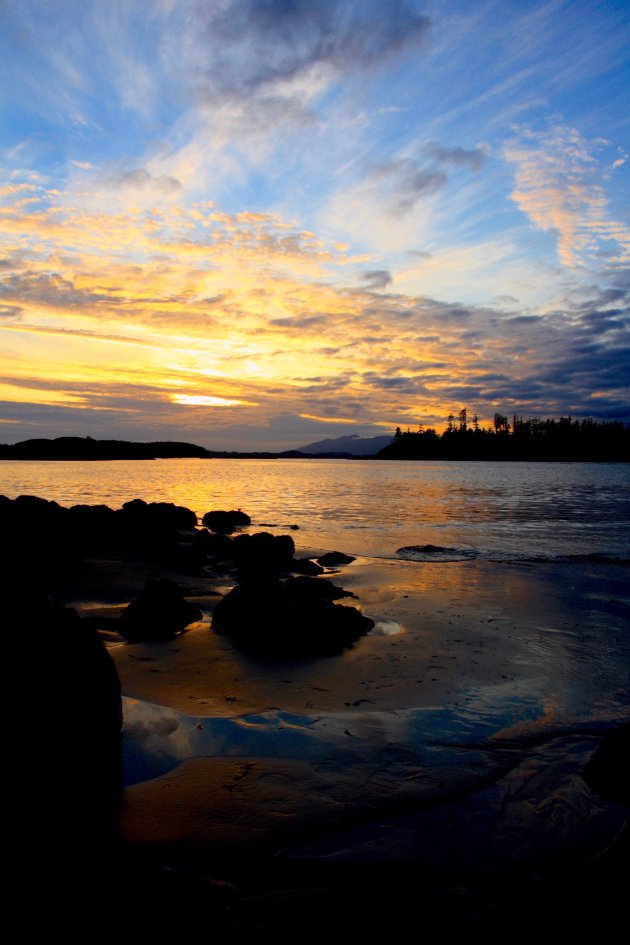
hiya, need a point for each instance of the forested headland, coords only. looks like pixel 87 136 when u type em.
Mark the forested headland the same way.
pixel 521 439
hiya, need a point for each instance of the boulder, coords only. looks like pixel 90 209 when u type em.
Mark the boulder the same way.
pixel 311 590
pixel 152 529
pixel 306 566
pixel 263 553
pixel 294 619
pixel 71 771
pixel 333 558
pixel 608 771
pixel 226 522
pixel 158 613
pixel 215 544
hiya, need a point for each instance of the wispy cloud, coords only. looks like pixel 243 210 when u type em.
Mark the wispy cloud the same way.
pixel 559 184
pixel 255 218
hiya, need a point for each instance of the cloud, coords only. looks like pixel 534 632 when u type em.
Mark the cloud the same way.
pixel 10 311
pixel 49 288
pixel 472 158
pixel 402 182
pixel 559 185
pixel 180 320
pixel 406 179
pixel 141 178
pixel 264 44
pixel 376 278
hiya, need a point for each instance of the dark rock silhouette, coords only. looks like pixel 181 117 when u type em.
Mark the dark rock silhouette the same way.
pixel 86 448
pixel 226 522
pixel 333 558
pixel 68 777
pixel 158 614
pixel 608 771
pixel 306 566
pixel 291 619
pixel 161 514
pixel 34 531
pixel 309 590
pixel 263 553
pixel 422 549
pixel 213 543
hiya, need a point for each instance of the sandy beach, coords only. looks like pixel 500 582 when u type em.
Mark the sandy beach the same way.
pixel 438 762
pixel 446 748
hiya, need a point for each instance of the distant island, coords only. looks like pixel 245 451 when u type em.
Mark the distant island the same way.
pixel 86 448
pixel 532 440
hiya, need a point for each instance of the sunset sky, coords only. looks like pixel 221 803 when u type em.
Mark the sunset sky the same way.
pixel 253 224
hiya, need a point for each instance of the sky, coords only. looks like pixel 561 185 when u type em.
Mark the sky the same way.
pixel 251 224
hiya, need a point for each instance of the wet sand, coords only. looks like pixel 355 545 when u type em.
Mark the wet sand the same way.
pixel 441 630
pixel 445 749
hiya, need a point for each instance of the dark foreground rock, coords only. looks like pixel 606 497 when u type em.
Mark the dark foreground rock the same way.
pixel 158 613
pixel 263 553
pixel 296 618
pixel 226 522
pixel 306 566
pixel 64 783
pixel 333 558
pixel 608 771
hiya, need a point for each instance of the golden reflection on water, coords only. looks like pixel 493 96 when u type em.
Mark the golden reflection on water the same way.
pixel 367 507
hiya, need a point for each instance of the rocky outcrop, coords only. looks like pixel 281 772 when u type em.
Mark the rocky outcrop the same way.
pixel 158 613
pixel 263 553
pixel 69 770
pixel 608 771
pixel 226 522
pixel 334 558
pixel 294 618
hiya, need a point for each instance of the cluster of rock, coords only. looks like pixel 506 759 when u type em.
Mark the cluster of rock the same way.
pixel 270 611
pixel 37 532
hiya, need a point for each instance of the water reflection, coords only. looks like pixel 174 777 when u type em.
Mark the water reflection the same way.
pixel 529 509
pixel 157 739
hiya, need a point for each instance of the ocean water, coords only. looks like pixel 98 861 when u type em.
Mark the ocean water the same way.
pixel 492 768
pixel 495 511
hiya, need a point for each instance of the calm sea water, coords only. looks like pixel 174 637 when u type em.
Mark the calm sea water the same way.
pixel 498 511
pixel 558 685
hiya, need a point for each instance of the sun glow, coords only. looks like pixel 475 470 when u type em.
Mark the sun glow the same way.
pixel 206 400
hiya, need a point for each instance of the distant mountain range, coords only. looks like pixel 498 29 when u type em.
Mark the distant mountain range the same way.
pixel 353 445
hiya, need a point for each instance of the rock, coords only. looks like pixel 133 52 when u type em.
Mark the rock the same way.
pixel 151 529
pixel 214 544
pixel 333 558
pixel 32 531
pixel 306 566
pixel 95 526
pixel 608 771
pixel 192 556
pixel 165 515
pixel 294 619
pixel 263 553
pixel 226 522
pixel 158 614
pixel 311 590
pixel 71 776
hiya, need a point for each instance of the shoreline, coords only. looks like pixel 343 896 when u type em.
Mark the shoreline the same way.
pixel 429 752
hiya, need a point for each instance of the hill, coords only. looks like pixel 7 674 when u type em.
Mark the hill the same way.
pixel 348 445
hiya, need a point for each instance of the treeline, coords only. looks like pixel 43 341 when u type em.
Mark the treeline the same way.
pixel 521 439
